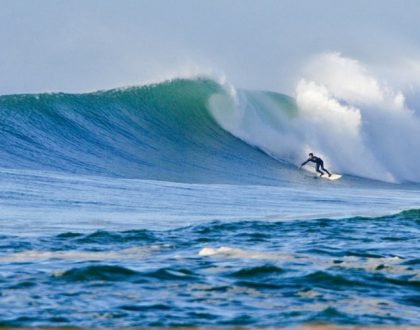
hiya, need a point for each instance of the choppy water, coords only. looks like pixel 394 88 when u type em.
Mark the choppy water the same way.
pixel 135 208
pixel 348 271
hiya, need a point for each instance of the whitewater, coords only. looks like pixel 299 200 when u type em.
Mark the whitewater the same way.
pixel 180 203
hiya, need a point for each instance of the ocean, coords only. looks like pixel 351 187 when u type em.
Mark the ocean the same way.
pixel 181 204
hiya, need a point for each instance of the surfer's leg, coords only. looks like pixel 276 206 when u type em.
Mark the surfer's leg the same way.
pixel 318 170
pixel 324 169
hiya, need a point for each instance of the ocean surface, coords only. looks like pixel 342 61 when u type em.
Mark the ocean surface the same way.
pixel 180 204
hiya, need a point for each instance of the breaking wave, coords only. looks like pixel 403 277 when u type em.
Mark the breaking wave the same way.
pixel 198 130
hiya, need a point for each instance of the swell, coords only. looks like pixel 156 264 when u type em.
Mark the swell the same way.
pixel 118 273
pixel 162 131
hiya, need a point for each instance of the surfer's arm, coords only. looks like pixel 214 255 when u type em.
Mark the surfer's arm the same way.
pixel 304 163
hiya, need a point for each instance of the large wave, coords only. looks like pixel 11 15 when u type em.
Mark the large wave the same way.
pixel 199 130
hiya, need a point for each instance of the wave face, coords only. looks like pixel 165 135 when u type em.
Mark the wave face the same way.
pixel 161 131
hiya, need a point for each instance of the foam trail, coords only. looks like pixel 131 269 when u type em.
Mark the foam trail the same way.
pixel 133 253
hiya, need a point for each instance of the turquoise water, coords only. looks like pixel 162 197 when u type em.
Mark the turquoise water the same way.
pixel 136 207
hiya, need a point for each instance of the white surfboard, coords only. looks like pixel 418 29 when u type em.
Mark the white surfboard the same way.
pixel 312 170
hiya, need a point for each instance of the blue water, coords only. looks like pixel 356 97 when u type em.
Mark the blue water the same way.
pixel 134 207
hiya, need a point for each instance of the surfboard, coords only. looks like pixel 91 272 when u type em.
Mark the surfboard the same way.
pixel 312 170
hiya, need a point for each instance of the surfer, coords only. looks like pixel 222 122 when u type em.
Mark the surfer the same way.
pixel 319 164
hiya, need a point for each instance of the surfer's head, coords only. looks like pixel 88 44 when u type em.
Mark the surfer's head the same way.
pixel 311 154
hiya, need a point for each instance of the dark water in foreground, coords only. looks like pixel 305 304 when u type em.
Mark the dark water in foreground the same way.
pixel 251 273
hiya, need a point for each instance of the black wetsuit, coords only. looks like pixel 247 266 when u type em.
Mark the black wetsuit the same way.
pixel 319 164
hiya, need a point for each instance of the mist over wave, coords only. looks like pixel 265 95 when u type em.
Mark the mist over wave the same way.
pixel 358 124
